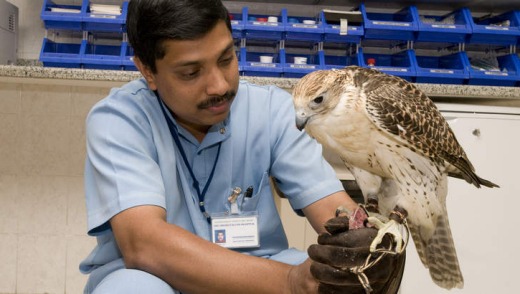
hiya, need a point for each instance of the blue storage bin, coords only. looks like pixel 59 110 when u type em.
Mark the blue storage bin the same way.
pixel 446 69
pixel 102 57
pixel 507 75
pixel 127 55
pixel 300 58
pixel 55 15
pixel 400 25
pixel 57 54
pixel 339 57
pixel 238 23
pixel 398 64
pixel 292 69
pixel 256 26
pixel 332 28
pixel 492 30
pixel 105 22
pixel 302 28
pixel 453 27
pixel 252 65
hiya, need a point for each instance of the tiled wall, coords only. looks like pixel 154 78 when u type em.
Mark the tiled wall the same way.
pixel 42 208
pixel 30 28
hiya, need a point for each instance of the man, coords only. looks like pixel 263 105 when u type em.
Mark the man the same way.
pixel 169 157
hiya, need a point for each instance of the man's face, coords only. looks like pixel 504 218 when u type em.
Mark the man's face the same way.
pixel 198 79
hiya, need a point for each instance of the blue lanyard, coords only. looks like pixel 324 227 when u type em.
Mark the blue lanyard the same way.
pixel 173 131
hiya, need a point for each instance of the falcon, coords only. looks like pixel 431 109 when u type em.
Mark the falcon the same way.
pixel 399 149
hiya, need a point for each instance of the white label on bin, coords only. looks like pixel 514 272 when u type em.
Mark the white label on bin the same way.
pixel 103 16
pixel 444 71
pixel 392 23
pixel 302 25
pixel 390 69
pixel 259 23
pixel 303 66
pixel 444 26
pixel 497 28
pixel 263 64
pixel 234 22
pixel 351 28
pixel 496 73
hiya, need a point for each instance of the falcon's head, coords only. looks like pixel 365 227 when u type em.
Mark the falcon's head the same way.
pixel 319 92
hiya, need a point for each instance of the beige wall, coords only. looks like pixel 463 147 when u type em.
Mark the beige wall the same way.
pixel 42 207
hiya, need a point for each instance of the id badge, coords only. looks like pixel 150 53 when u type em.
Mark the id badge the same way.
pixel 235 230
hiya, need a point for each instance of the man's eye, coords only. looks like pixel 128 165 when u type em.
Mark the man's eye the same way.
pixel 190 74
pixel 226 61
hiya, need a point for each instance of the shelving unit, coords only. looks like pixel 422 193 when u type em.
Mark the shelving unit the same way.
pixel 102 43
pixel 417 44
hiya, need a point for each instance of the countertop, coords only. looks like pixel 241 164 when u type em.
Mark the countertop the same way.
pixel 38 73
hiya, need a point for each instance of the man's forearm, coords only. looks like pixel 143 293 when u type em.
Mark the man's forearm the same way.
pixel 322 210
pixel 193 265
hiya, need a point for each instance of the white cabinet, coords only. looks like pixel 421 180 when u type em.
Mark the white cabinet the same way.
pixel 484 221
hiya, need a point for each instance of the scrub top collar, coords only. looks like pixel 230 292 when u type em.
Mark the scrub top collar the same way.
pixel 217 133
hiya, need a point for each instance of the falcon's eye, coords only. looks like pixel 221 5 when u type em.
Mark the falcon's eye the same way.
pixel 318 100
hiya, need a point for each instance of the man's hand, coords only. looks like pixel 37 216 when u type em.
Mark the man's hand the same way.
pixel 300 279
pixel 341 253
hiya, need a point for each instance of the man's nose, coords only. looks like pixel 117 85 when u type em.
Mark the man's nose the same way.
pixel 217 84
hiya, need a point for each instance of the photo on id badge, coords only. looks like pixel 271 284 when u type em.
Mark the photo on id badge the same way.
pixel 220 236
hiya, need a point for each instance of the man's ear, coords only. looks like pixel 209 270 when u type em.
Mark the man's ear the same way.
pixel 146 72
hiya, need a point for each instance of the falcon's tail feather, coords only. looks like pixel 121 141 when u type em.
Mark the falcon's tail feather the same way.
pixel 439 256
pixel 487 183
pixel 473 179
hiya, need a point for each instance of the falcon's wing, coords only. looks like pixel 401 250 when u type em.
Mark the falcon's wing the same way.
pixel 405 112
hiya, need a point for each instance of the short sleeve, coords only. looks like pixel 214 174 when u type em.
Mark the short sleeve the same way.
pixel 121 169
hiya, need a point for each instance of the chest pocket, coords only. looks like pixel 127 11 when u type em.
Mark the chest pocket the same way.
pixel 261 192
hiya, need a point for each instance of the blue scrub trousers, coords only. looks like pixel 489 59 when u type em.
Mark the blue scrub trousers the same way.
pixel 114 278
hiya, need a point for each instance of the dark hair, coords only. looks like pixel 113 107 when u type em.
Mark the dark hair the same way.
pixel 150 22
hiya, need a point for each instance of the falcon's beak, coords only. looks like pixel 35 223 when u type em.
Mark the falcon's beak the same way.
pixel 301 121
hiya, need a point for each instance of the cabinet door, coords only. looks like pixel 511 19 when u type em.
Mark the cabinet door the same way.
pixel 484 222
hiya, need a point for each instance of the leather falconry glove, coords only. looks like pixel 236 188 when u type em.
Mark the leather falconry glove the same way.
pixel 343 263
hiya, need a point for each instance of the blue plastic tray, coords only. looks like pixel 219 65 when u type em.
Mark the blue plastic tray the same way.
pixel 251 65
pixel 488 30
pixel 446 69
pixel 296 29
pixel 238 23
pixel 398 64
pixel 61 20
pixel 332 26
pixel 401 25
pixel 105 22
pixel 102 57
pixel 453 27
pixel 293 70
pixel 509 74
pixel 256 26
pixel 61 54
pixel 127 55
pixel 331 58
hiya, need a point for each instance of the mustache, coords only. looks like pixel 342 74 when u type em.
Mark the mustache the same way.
pixel 212 101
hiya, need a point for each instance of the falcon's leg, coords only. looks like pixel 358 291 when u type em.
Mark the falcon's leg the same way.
pixel 392 227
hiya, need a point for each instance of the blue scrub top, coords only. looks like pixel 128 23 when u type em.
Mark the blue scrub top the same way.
pixel 132 160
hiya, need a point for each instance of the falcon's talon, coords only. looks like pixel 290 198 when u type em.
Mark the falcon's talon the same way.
pixel 343 211
pixel 391 227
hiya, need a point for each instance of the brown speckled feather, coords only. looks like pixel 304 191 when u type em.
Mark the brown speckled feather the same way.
pixel 402 109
